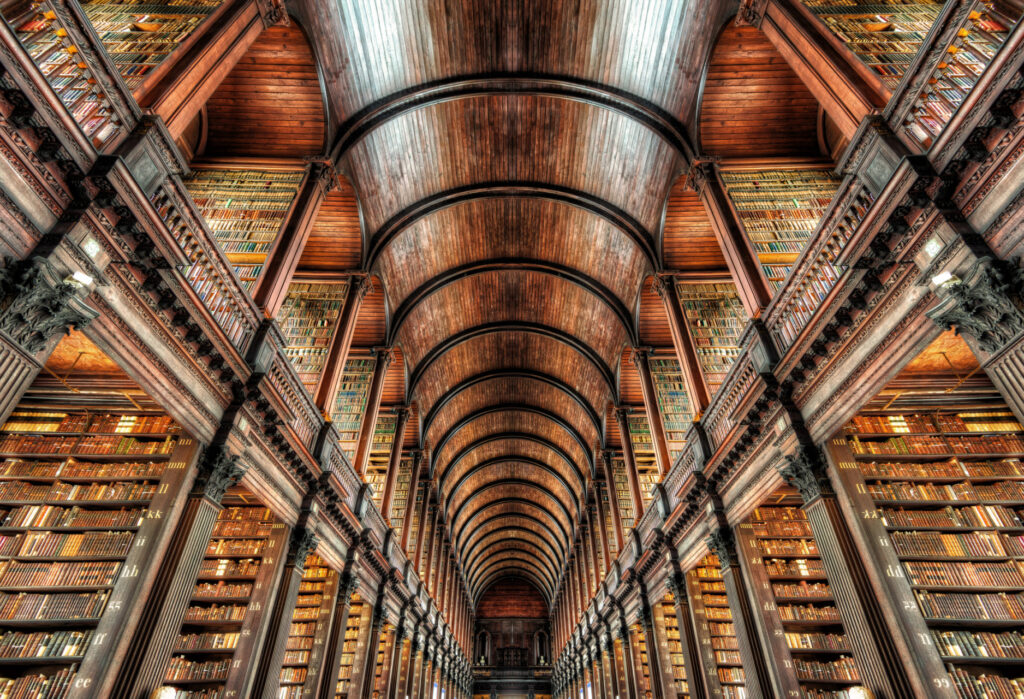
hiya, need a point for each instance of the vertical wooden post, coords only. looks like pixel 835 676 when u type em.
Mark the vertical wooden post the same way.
pixel 655 667
pixel 394 463
pixel 682 340
pixel 687 638
pixel 369 424
pixel 424 524
pixel 336 638
pixel 341 342
pixel 743 263
pixel 373 646
pixel 641 360
pixel 410 502
pixel 613 501
pixel 602 529
pixel 272 286
pixel 628 664
pixel 613 664
pixel 632 476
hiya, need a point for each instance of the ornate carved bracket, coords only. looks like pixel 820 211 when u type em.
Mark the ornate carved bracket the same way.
pixel 218 471
pixel 988 304
pixel 806 471
pixel 36 304
pixel 723 544
pixel 302 541
pixel 273 12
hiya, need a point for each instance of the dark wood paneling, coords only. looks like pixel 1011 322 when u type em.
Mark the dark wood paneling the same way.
pixel 270 104
pixel 335 241
pixel 511 599
pixel 753 103
pixel 688 241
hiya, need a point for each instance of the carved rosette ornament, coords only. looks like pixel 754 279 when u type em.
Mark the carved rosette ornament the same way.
pixel 806 472
pixel 36 304
pixel 273 12
pixel 988 304
pixel 723 545
pixel 218 471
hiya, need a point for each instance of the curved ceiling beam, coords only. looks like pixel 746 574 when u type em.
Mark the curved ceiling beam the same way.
pixel 565 338
pixel 497 374
pixel 617 217
pixel 519 483
pixel 511 458
pixel 512 516
pixel 525 572
pixel 370 117
pixel 517 408
pixel 470 269
pixel 557 529
pixel 536 439
pixel 488 554
pixel 473 547
pixel 510 563
pixel 502 557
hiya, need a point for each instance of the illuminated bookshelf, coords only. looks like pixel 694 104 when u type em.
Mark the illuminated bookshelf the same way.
pixel 712 618
pixel 308 319
pixel 715 316
pixel 308 630
pixel 673 402
pixel 350 403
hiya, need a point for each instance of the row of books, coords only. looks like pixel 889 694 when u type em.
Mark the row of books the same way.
pixel 912 445
pixel 716 318
pixel 222 589
pixel 802 589
pixel 65 545
pixel 985 686
pixel 980 644
pixel 31 606
pixel 953 517
pixel 216 612
pixel 241 528
pixel 815 641
pixel 58 574
pixel 89 444
pixel 207 641
pixel 807 612
pixel 55 686
pixel 796 567
pixel 964 574
pixel 181 668
pixel 992 606
pixel 811 670
pixel 986 421
pixel 953 468
pixel 22 491
pixel 43 644
pixel 232 547
pixel 228 568
pixel 1004 491
pixel 71 468
pixel 64 423
pixel 973 544
pixel 782 528
pixel 775 547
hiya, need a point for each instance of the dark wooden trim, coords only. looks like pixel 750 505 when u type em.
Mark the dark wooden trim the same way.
pixel 517 408
pixel 565 338
pixel 617 217
pixel 509 435
pixel 441 402
pixel 531 518
pixel 548 566
pixel 515 264
pixel 514 459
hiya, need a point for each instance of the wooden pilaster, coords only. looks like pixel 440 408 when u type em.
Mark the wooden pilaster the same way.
pixel 662 683
pixel 369 424
pixel 687 638
pixel 682 340
pixel 743 263
pixel 628 665
pixel 641 359
pixel 272 286
pixel 414 484
pixel 632 475
pixel 396 677
pixel 341 342
pixel 336 638
pixel 394 463
pixel 372 649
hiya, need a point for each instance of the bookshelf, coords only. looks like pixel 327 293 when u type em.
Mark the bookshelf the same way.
pixel 643 452
pixel 380 671
pixel 414 521
pixel 308 319
pixel 803 624
pixel 350 403
pixel 622 495
pixel 665 617
pixel 244 209
pixel 643 661
pixel 780 210
pixel 401 498
pixel 673 402
pixel 609 521
pixel 884 35
pixel 223 622
pixel 310 624
pixel 715 317
pixel 82 498
pixel 380 453
pixel 712 620
pixel 354 638
pixel 943 484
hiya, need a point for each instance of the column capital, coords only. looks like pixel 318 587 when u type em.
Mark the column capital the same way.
pixel 273 12
pixel 218 470
pixel 750 13
pixel 987 304
pixel 722 543
pixel 805 470
pixel 384 355
pixel 302 541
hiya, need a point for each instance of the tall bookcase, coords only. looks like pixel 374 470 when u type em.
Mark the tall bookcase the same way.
pixel 244 210
pixel 138 35
pixel 307 635
pixel 380 453
pixel 804 627
pixel 712 621
pixel 885 35
pixel 354 638
pixel 715 316
pixel 350 402
pixel 222 626
pixel 84 490
pixel 605 491
pixel 401 497
pixel 308 319
pixel 414 521
pixel 643 452
pixel 940 486
pixel 380 672
pixel 673 402
pixel 780 209
pixel 665 616
pixel 622 495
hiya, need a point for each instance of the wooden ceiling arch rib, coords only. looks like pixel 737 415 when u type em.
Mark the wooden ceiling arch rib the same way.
pixel 515 505
pixel 520 520
pixel 509 543
pixel 482 469
pixel 500 555
pixel 511 571
pixel 510 470
pixel 476 546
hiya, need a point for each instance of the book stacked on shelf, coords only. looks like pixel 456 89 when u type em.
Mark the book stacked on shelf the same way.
pixel 780 210
pixel 308 631
pixel 308 319
pixel 244 209
pixel 227 601
pixel 622 494
pixel 350 403
pixel 643 453
pixel 76 525
pixel 380 453
pixel 666 616
pixel 949 496
pixel 401 496
pixel 799 611
pixel 673 402
pixel 715 317
pixel 357 620
pixel 718 646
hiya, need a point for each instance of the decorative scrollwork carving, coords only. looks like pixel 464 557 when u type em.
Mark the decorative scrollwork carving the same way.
pixel 988 304
pixel 37 305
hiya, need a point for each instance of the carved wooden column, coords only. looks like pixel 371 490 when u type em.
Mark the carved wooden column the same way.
pixel 632 476
pixel 268 670
pixel 373 646
pixel 423 669
pixel 613 501
pixel 341 342
pixel 145 663
pixel 181 86
pixel 347 585
pixel 399 654
pixel 628 662
pixel 654 650
pixel 641 359
pixel 597 671
pixel 682 340
pixel 602 528
pixel 608 650
pixel 369 424
pixel 755 661
pixel 272 286
pixel 843 85
pixel 878 660
pixel 413 666
pixel 394 463
pixel 743 263
pixel 687 638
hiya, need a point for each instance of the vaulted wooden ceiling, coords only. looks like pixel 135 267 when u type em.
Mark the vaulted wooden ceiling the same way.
pixel 512 161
